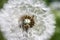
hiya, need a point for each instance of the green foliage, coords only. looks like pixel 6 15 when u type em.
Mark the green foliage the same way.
pixel 56 36
pixel 2 3
pixel 48 2
pixel 1 36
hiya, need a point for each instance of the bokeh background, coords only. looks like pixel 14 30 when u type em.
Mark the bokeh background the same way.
pixel 55 6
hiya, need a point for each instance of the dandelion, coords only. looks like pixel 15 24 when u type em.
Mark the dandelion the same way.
pixel 26 20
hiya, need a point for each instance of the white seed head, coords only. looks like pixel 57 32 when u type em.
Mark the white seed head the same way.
pixel 43 28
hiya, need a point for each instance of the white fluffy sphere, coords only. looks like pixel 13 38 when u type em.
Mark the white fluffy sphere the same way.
pixel 44 20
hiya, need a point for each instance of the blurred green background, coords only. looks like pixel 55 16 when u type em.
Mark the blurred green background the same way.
pixel 56 12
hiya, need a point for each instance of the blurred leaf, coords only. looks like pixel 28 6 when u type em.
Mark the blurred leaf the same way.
pixel 2 3
pixel 56 36
pixel 1 36
pixel 48 2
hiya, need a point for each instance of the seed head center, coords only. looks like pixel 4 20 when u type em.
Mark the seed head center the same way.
pixel 27 21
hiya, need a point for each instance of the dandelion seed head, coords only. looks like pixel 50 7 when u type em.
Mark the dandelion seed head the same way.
pixel 11 13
